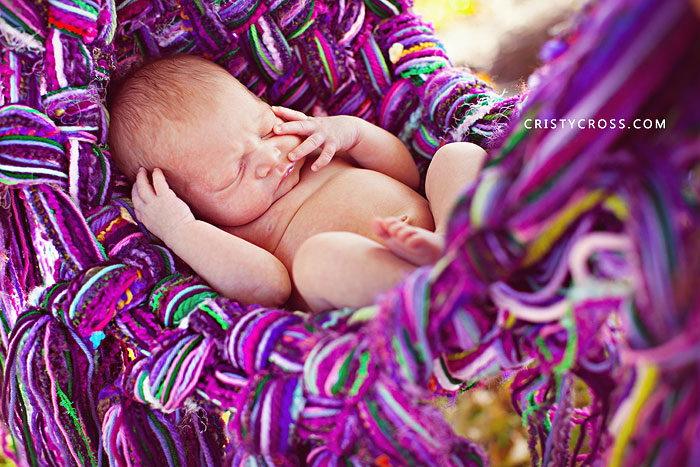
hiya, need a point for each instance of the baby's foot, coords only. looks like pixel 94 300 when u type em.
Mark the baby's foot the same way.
pixel 414 244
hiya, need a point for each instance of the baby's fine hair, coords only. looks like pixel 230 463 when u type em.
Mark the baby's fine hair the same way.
pixel 164 91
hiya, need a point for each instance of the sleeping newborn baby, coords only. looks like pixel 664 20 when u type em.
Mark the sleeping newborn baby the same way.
pixel 269 205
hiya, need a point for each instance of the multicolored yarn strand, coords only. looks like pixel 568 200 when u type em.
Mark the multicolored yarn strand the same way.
pixel 570 262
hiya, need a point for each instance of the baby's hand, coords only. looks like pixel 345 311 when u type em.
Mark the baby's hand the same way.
pixel 157 206
pixel 334 134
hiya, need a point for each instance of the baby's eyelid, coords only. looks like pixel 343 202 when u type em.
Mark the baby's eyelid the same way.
pixel 240 165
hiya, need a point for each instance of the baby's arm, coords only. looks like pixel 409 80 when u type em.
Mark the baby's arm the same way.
pixel 368 145
pixel 379 150
pixel 232 266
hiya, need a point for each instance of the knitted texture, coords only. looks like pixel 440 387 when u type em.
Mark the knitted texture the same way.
pixel 570 261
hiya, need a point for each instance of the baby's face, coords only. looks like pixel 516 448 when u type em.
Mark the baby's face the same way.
pixel 236 167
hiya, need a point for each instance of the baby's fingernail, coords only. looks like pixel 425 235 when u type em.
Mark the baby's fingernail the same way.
pixel 278 127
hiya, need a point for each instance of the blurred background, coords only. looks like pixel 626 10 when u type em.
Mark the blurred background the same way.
pixel 500 40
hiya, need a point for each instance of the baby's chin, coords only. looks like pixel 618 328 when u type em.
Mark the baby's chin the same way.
pixel 229 217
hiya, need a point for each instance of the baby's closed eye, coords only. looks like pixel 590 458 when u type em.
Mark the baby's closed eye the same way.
pixel 238 171
pixel 233 176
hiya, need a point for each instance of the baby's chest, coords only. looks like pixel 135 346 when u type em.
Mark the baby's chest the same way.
pixel 348 203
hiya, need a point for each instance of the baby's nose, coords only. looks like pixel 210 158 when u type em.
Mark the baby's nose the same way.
pixel 269 159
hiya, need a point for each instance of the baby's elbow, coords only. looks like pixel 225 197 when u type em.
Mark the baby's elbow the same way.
pixel 268 285
pixel 268 295
pixel 409 174
pixel 274 287
pixel 278 291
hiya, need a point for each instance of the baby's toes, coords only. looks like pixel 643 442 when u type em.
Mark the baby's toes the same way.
pixel 395 226
pixel 390 223
pixel 379 227
pixel 415 241
pixel 406 232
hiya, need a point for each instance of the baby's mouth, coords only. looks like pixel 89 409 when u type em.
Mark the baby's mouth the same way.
pixel 287 172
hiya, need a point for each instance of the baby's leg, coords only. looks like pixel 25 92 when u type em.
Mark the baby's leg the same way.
pixel 453 166
pixel 338 269
pixel 414 244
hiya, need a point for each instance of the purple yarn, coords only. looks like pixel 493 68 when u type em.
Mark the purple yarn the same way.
pixel 347 387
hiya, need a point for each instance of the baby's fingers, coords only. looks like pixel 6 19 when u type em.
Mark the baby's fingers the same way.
pixel 325 158
pixel 143 186
pixel 299 127
pixel 288 114
pixel 309 144
pixel 135 197
pixel 159 182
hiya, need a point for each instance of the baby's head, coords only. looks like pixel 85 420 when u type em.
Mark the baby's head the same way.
pixel 210 135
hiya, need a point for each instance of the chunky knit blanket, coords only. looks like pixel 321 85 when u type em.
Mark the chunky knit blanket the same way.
pixel 570 263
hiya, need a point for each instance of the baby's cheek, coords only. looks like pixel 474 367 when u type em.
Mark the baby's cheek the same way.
pixel 243 208
pixel 208 208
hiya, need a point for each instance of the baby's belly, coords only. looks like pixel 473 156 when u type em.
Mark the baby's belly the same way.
pixel 348 202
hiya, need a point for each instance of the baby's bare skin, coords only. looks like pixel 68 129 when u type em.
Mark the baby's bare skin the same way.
pixel 338 198
pixel 266 201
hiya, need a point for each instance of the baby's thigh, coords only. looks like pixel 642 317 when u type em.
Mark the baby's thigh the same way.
pixel 339 269
pixel 460 161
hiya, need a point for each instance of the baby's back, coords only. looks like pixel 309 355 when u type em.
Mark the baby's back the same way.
pixel 339 197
